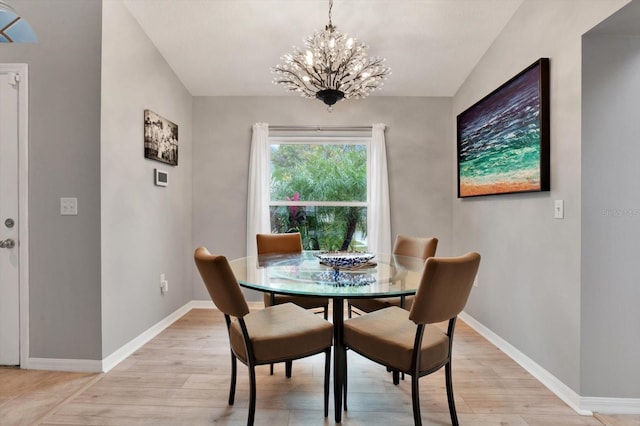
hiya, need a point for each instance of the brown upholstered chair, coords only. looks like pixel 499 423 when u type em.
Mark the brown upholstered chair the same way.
pixel 408 341
pixel 274 334
pixel 422 248
pixel 283 244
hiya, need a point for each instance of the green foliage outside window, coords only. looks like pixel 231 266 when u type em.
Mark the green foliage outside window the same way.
pixel 320 172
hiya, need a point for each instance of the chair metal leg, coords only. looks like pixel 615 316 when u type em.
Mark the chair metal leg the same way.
pixel 415 398
pixel 288 365
pixel 252 395
pixel 396 377
pixel 234 371
pixel 271 369
pixel 327 370
pixel 326 313
pixel 452 405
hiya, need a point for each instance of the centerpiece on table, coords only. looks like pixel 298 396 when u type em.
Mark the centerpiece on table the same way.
pixel 351 260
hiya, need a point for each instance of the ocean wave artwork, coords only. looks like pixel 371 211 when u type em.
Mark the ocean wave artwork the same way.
pixel 500 139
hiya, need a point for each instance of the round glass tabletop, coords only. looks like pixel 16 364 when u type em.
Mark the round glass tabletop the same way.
pixel 304 274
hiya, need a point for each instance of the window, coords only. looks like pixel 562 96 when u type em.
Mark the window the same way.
pixel 318 187
pixel 297 158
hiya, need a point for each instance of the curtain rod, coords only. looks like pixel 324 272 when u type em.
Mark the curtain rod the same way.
pixel 319 128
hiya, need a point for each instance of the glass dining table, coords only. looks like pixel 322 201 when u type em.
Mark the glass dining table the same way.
pixel 302 274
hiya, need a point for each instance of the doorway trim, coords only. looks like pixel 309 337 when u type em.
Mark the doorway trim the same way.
pixel 22 71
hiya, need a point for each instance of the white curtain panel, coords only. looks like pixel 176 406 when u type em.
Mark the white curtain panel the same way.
pixel 378 216
pixel 258 194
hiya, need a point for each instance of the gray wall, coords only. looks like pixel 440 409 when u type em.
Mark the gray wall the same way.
pixel 529 282
pixel 537 289
pixel 64 161
pixel 419 143
pixel 146 229
pixel 611 209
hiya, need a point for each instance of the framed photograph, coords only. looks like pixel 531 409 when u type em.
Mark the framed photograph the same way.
pixel 160 138
pixel 503 139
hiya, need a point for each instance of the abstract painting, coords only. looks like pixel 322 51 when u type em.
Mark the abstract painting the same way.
pixel 503 139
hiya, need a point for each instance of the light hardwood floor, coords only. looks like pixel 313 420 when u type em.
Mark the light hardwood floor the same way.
pixel 181 377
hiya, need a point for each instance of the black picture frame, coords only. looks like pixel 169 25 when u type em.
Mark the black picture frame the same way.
pixel 503 139
pixel 160 138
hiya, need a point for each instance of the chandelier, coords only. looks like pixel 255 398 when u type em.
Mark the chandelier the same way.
pixel 333 66
pixel 13 28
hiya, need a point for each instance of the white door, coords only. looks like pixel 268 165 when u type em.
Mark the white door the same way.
pixel 9 224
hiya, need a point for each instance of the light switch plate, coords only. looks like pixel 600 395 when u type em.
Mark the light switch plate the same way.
pixel 558 209
pixel 69 206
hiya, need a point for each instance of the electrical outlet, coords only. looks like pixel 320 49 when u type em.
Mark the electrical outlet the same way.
pixel 68 206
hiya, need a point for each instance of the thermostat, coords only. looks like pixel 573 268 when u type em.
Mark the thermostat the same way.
pixel 161 178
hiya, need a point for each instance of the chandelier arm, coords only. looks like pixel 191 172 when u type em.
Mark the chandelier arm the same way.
pixel 342 71
pixel 316 75
pixel 295 80
pixel 353 83
pixel 374 75
pixel 312 73
pixel 326 64
pixel 316 81
pixel 332 78
pixel 360 88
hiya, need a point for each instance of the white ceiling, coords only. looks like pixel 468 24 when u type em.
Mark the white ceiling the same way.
pixel 227 47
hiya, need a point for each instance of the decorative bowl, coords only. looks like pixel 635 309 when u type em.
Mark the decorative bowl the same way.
pixel 344 259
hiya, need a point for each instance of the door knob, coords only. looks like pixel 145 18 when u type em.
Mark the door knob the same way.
pixel 8 243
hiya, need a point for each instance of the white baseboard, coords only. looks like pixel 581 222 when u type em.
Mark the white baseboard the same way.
pixel 201 304
pixel 57 364
pixel 611 405
pixel 108 363
pixel 562 391
pixel 580 404
pixel 129 348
